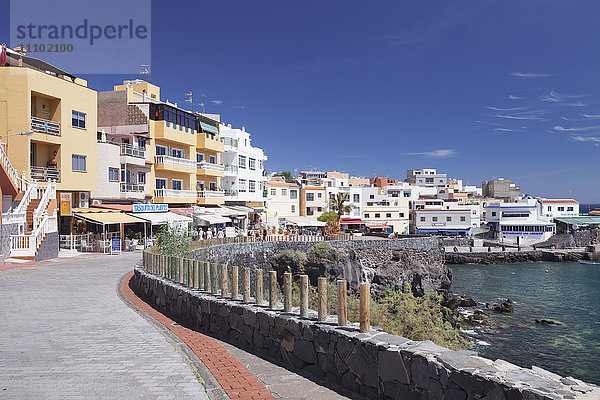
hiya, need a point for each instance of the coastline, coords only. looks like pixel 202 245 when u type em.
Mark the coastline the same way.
pixel 509 257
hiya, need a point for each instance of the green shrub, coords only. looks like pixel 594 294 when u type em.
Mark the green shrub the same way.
pixel 172 243
pixel 294 259
pixel 322 250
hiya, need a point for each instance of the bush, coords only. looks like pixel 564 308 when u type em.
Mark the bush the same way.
pixel 322 250
pixel 294 259
pixel 172 243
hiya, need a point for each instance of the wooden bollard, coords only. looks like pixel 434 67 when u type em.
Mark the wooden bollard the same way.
pixel 207 276
pixel 365 307
pixel 287 291
pixel 259 287
pixel 214 279
pixel 186 271
pixel 181 271
pixel 322 298
pixel 223 279
pixel 196 273
pixel 246 282
pixel 201 275
pixel 272 289
pixel 234 282
pixel 342 303
pixel 303 295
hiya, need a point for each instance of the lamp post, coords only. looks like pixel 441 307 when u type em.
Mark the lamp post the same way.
pixel 25 133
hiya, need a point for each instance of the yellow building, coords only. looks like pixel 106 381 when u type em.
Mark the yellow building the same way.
pixel 185 149
pixel 61 111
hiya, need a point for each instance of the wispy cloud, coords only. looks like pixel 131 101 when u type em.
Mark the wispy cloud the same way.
pixel 576 128
pixel 594 139
pixel 434 153
pixel 217 102
pixel 590 116
pixel 557 97
pixel 578 104
pixel 529 75
pixel 513 97
pixel 506 109
pixel 520 117
pixel 508 130
pixel 240 107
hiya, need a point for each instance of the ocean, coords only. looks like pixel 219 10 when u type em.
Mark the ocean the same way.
pixel 586 208
pixel 568 293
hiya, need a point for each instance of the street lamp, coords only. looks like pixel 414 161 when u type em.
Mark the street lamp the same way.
pixel 26 133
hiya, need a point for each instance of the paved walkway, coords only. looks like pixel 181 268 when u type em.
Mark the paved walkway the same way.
pixel 65 334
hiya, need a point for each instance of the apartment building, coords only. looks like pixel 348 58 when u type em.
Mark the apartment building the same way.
pixel 521 223
pixel 382 182
pixel 383 210
pixel 283 200
pixel 182 150
pixel 356 197
pixel 554 208
pixel 440 217
pixel 314 178
pixel 244 177
pixel 313 201
pixel 501 189
pixel 361 182
pixel 427 177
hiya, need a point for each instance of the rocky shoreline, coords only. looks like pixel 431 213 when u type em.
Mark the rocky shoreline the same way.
pixel 485 258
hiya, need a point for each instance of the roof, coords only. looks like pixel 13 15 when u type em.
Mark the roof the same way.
pixel 305 221
pixel 351 221
pixel 559 201
pixel 581 220
pixel 159 218
pixel 107 217
pixel 211 219
pixel 275 183
pixel 122 207
pixel 314 188
pixel 183 211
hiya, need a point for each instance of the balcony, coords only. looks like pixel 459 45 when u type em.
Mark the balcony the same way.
pixel 175 164
pixel 230 144
pixel 175 196
pixel 231 170
pixel 133 151
pixel 209 169
pixel 210 193
pixel 175 133
pixel 126 187
pixel 41 125
pixel 43 174
pixel 210 197
pixel 231 193
pixel 210 141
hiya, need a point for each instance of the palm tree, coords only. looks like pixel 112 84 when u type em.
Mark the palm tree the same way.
pixel 336 204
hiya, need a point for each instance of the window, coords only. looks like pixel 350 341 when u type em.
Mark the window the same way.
pixel 366 215
pixel 161 150
pixel 78 163
pixel 284 192
pixel 212 185
pixel 401 215
pixel 569 208
pixel 242 185
pixel 319 195
pixel 388 215
pixel 200 185
pixel 356 198
pixel 78 119
pixel 176 184
pixel 493 213
pixel 252 164
pixel 252 186
pixel 212 159
pixel 319 209
pixel 377 215
pixel 293 208
pixel 428 180
pixel 463 219
pixel 406 194
pixel 448 219
pixel 161 183
pixel 141 178
pixel 113 174
pixel 434 219
pixel 242 162
pixel 293 194
pixel 371 196
pixel 549 208
pixel 561 209
pixel 199 157
pixel 422 219
pixel 177 153
pixel 310 197
pixel 273 192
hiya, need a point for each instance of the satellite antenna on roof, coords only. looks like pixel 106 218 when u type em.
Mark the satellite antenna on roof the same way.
pixel 202 106
pixel 190 99
pixel 146 71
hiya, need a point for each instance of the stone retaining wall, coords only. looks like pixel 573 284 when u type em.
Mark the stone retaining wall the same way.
pixel 375 364
pixel 5 231
pixel 512 257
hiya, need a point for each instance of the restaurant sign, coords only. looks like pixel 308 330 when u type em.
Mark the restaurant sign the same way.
pixel 150 207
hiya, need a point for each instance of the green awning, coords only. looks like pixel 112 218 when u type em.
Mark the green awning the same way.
pixel 208 127
pixel 579 221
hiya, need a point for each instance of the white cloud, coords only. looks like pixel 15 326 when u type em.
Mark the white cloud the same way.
pixel 217 102
pixel 434 153
pixel 585 139
pixel 508 130
pixel 557 97
pixel 532 118
pixel 579 104
pixel 512 97
pixel 576 128
pixel 240 107
pixel 506 109
pixel 529 75
pixel 590 116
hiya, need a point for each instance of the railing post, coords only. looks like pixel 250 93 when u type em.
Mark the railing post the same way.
pixel 181 271
pixel 365 307
pixel 246 294
pixel 196 274
pixel 322 298
pixel 223 279
pixel 234 282
pixel 272 289
pixel 303 295
pixel 214 278
pixel 342 303
pixel 259 286
pixel 207 276
pixel 287 291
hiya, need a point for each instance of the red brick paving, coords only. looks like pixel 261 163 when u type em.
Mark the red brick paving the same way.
pixel 233 377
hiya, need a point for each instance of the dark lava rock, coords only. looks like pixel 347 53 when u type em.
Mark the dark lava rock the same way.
pixel 547 322
pixel 479 315
pixel 504 307
pixel 467 301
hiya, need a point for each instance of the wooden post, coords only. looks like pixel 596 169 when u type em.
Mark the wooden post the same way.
pixel 322 298
pixel 180 272
pixel 272 289
pixel 196 274
pixel 365 307
pixel 186 271
pixel 207 276
pixel 246 285
pixel 303 295
pixel 214 278
pixel 201 275
pixel 259 287
pixel 342 303
pixel 223 279
pixel 287 291
pixel 234 282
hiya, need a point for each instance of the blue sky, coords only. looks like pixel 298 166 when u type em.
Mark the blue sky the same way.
pixel 476 89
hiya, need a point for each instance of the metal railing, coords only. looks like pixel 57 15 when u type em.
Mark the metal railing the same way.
pixel 175 193
pixel 210 166
pixel 184 162
pixel 127 187
pixel 134 151
pixel 42 125
pixel 44 174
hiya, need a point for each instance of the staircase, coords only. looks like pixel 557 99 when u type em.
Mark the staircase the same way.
pixel 31 207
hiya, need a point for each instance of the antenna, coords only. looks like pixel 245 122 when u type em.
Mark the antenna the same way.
pixel 190 99
pixel 202 106
pixel 146 71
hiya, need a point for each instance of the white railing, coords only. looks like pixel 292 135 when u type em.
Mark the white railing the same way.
pixel 13 218
pixel 184 162
pixel 231 193
pixel 43 174
pixel 229 142
pixel 210 166
pixel 10 170
pixel 230 168
pixel 27 245
pixel 126 187
pixel 134 151
pixel 175 193
pixel 45 126
pixel 210 193
pixel 48 194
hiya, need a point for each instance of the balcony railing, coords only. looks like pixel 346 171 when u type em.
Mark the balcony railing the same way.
pixel 231 193
pixel 184 162
pixel 175 193
pixel 43 174
pixel 212 167
pixel 233 143
pixel 210 193
pixel 134 151
pixel 126 187
pixel 41 125
pixel 231 168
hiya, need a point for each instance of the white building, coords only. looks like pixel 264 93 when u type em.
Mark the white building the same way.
pixel 554 208
pixel 357 197
pixel 426 177
pixel 438 216
pixel 519 223
pixel 380 210
pixel 283 200
pixel 244 168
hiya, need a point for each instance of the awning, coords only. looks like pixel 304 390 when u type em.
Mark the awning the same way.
pixel 378 226
pixel 304 221
pixel 350 221
pixel 442 229
pixel 207 127
pixel 160 218
pixel 212 219
pixel 107 217
pixel 579 221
